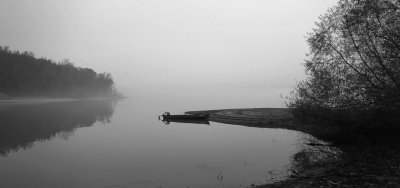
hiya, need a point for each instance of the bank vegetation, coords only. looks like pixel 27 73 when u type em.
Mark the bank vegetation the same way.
pixel 24 75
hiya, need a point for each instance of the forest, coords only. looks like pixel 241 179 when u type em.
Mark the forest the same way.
pixel 24 75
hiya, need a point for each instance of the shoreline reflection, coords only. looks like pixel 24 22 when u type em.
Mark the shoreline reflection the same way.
pixel 22 125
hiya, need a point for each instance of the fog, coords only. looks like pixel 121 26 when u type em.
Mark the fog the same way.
pixel 174 56
pixel 245 53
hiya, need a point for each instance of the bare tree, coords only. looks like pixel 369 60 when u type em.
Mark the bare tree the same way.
pixel 354 59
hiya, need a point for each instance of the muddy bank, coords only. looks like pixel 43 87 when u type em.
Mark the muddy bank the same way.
pixel 266 118
pixel 253 117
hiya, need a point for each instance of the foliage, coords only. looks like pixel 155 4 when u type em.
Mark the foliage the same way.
pixel 21 74
pixel 353 66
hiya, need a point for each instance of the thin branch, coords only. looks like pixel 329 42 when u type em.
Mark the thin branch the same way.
pixel 352 67
pixel 361 57
pixel 376 53
pixel 387 30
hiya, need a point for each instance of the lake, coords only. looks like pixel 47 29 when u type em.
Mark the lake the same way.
pixel 102 143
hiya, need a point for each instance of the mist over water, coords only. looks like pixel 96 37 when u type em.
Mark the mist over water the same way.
pixel 171 56
pixel 208 97
pixel 123 144
pixel 180 47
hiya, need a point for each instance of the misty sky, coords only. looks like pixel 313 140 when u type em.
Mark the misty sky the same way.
pixel 151 45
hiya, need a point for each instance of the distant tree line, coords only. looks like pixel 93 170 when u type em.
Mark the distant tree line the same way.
pixel 353 66
pixel 22 74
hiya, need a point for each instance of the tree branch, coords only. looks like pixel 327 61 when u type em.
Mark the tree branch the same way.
pixel 380 61
pixel 361 57
pixel 352 67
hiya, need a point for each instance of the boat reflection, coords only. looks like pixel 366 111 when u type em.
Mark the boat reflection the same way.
pixel 22 125
pixel 167 118
pixel 191 121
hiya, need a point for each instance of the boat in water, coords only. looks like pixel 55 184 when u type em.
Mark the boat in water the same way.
pixel 187 118
pixel 168 116
pixel 190 121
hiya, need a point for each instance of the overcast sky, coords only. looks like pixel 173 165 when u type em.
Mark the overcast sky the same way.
pixel 147 44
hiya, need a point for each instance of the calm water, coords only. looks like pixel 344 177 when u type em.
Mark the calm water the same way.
pixel 107 144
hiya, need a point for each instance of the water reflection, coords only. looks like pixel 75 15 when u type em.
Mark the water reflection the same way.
pixel 21 125
pixel 195 121
pixel 135 149
pixel 315 157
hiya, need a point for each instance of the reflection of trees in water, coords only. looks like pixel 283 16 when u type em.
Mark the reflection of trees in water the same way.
pixel 313 154
pixel 21 125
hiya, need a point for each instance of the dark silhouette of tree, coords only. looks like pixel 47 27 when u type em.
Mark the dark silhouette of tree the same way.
pixel 354 60
pixel 21 74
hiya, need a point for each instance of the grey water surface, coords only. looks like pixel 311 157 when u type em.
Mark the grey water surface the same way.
pixel 102 143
